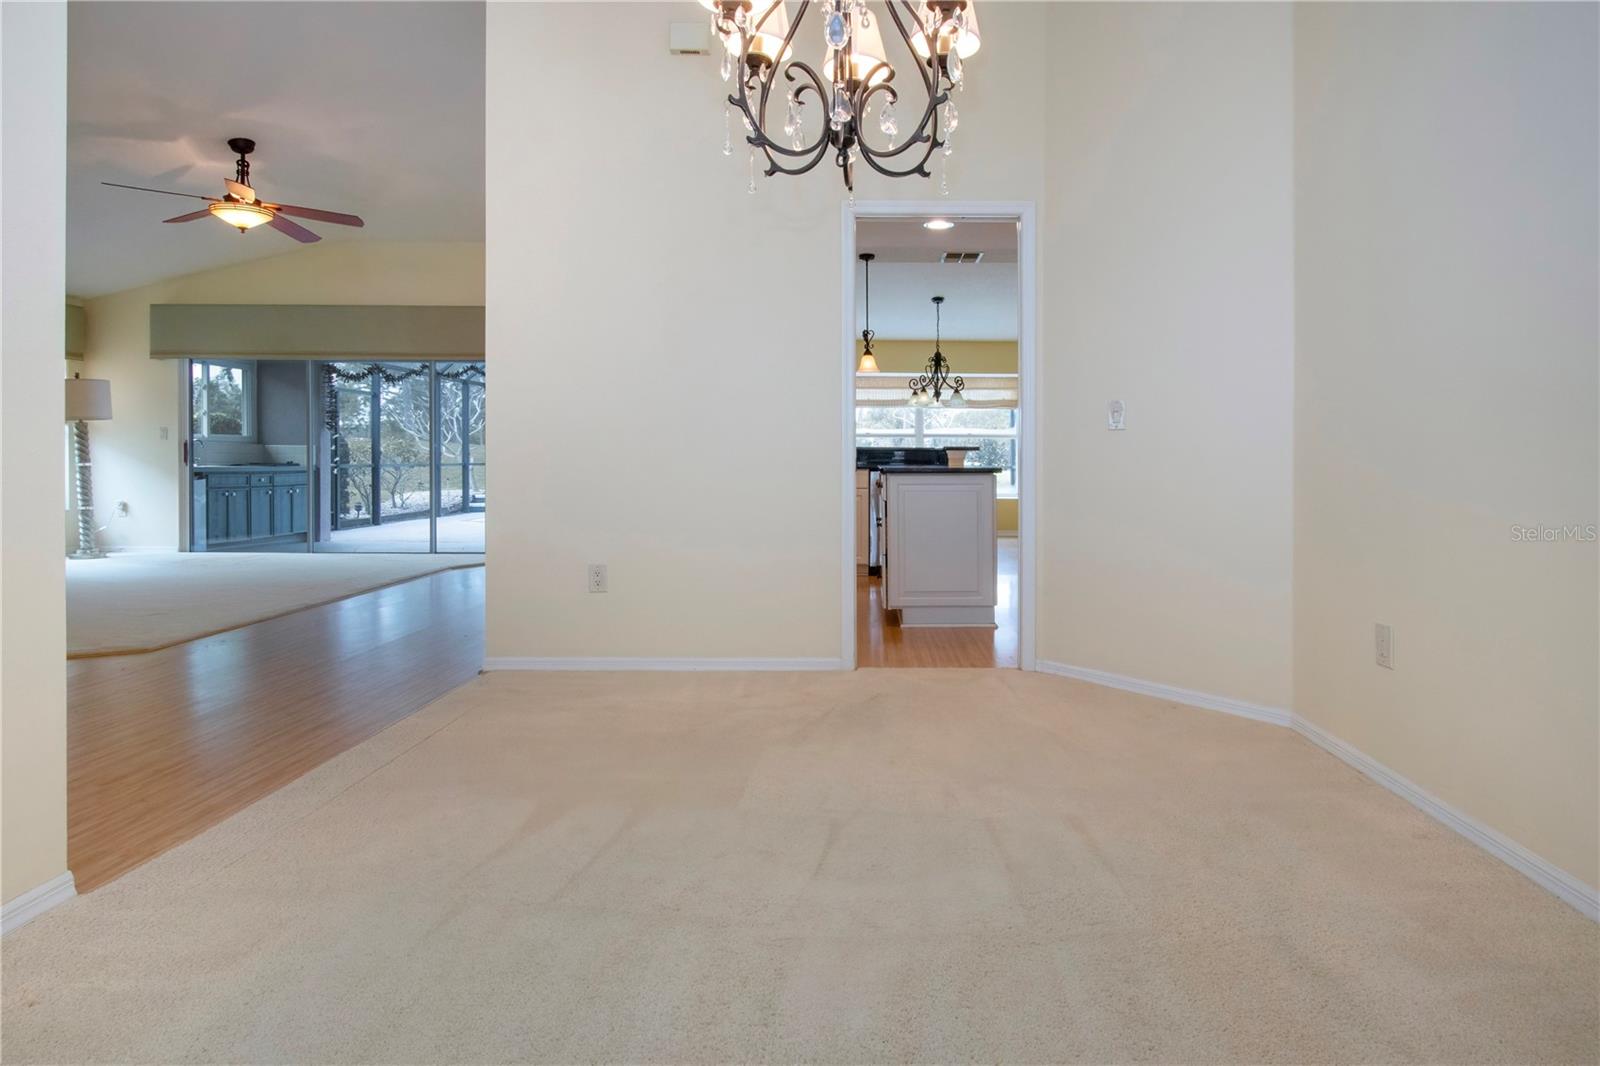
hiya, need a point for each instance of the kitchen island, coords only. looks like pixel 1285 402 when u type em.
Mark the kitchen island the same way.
pixel 940 561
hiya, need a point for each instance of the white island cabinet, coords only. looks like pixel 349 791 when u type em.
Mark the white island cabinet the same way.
pixel 941 560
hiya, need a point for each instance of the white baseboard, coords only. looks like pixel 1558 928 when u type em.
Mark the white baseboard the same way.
pixel 675 664
pixel 34 902
pixel 1254 711
pixel 1546 875
pixel 1562 885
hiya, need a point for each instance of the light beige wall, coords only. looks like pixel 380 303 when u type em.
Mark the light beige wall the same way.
pixel 132 462
pixel 33 698
pixel 1164 549
pixel 1446 392
pixel 701 318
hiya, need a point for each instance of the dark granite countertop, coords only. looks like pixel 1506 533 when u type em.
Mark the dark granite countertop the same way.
pixel 939 469
pixel 249 468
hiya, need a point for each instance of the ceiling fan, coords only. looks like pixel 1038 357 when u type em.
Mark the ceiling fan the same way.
pixel 239 208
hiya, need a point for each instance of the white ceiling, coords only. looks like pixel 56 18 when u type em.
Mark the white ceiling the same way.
pixel 371 108
pixel 907 240
pixel 980 298
pixel 980 301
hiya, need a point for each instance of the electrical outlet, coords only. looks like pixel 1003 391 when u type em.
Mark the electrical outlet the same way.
pixel 163 432
pixel 1116 415
pixel 1383 637
pixel 597 577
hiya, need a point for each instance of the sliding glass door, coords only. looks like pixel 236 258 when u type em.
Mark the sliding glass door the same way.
pixel 462 458
pixel 400 458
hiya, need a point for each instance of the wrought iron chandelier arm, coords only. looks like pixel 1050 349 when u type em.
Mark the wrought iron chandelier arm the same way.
pixel 927 71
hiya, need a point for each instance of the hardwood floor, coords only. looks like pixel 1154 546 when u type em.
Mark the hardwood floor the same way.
pixel 881 643
pixel 165 745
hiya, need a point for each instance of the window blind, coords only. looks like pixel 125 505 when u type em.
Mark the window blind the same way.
pixel 894 390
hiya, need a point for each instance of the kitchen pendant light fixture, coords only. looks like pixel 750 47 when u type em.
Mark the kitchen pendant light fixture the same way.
pixel 937 377
pixel 856 86
pixel 869 362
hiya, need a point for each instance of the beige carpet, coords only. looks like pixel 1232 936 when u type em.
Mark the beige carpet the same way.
pixel 871 867
pixel 146 601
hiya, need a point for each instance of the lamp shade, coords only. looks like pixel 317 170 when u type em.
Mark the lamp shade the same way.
pixel 88 399
pixel 966 43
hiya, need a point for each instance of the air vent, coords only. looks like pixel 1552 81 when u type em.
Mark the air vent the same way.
pixel 961 257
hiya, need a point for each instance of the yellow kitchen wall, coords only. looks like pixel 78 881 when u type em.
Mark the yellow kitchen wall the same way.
pixel 969 357
pixel 132 461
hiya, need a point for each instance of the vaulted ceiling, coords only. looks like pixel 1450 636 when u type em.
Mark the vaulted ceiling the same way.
pixel 374 109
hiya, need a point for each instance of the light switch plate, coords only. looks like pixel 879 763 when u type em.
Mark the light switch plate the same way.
pixel 1116 415
pixel 1383 639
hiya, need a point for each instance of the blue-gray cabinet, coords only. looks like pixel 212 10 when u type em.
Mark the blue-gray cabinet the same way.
pixel 232 508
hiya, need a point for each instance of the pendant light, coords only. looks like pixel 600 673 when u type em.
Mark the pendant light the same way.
pixel 869 362
pixel 928 388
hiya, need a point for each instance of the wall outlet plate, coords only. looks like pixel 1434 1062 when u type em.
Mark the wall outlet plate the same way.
pixel 597 577
pixel 1116 415
pixel 1383 640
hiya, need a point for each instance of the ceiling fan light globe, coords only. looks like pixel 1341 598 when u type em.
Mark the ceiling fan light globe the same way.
pixel 241 216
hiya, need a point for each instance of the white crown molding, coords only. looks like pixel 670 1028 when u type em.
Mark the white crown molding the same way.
pixel 1546 875
pixel 1563 885
pixel 34 902
pixel 675 664
pixel 1171 693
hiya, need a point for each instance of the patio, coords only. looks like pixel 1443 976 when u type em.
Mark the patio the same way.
pixel 457 533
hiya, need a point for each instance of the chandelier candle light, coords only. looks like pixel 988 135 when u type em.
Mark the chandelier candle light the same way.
pixel 937 376
pixel 856 77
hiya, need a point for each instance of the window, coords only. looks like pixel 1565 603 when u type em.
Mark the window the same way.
pixel 223 399
pixel 991 430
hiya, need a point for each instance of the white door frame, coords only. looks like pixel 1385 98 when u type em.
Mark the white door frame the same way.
pixel 1028 382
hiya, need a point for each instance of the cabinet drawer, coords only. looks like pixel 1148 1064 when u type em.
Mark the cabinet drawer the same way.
pixel 226 481
pixel 261 479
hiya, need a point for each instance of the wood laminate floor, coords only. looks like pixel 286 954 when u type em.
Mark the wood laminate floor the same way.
pixel 162 746
pixel 880 642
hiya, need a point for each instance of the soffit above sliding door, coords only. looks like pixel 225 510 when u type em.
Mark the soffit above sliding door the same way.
pixel 359 333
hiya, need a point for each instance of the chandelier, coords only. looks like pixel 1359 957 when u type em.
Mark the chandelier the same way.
pixel 937 376
pixel 857 83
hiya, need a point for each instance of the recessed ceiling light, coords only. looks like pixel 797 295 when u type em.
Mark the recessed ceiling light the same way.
pixel 938 223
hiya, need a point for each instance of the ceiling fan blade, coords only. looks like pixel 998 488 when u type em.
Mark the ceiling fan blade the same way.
pixel 317 214
pixel 241 192
pixel 164 192
pixel 293 229
pixel 190 217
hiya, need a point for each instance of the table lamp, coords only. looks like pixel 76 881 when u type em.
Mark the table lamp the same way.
pixel 88 400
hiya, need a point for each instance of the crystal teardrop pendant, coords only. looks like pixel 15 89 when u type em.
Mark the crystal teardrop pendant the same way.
pixel 727 64
pixel 836 28
pixel 840 112
pixel 951 119
pixel 727 130
pixel 952 64
pixel 751 189
pixel 887 122
pixel 791 122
